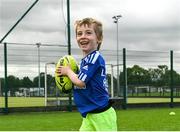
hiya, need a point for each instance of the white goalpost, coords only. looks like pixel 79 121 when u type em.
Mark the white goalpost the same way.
pixel 45 81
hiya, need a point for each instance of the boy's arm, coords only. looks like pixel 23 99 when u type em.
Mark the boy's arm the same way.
pixel 75 80
pixel 66 70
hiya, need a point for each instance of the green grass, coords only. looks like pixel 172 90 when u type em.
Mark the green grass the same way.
pixel 128 120
pixel 23 101
pixel 149 120
pixel 49 121
pixel 39 101
pixel 151 100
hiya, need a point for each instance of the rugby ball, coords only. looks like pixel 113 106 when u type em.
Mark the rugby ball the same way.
pixel 63 83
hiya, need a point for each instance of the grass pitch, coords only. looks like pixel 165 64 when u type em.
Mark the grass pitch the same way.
pixel 157 119
pixel 39 101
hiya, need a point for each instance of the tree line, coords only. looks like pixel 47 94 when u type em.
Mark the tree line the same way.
pixel 157 77
pixel 14 83
pixel 136 75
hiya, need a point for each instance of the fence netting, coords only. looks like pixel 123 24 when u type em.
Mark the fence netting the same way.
pixel 148 75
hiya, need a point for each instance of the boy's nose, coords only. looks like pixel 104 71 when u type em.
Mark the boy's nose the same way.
pixel 83 35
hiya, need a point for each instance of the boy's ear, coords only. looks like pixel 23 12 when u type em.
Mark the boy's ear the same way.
pixel 99 41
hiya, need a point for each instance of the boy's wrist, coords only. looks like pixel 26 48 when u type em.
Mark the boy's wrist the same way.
pixel 69 72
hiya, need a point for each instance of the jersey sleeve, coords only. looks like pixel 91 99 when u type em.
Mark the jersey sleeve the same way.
pixel 88 70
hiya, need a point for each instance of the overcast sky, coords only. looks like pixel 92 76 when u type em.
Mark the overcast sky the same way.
pixel 145 24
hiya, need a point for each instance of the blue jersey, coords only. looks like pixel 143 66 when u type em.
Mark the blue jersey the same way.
pixel 95 94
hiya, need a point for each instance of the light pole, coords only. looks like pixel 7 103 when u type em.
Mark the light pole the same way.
pixel 39 80
pixel 116 20
pixel 0 87
pixel 45 81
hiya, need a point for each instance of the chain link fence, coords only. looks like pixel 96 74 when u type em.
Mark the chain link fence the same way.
pixel 148 75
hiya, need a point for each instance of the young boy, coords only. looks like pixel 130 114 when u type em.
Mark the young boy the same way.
pixel 91 89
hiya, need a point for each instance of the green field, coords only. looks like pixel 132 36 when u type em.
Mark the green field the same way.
pixel 157 119
pixel 40 101
pixel 151 100
pixel 23 101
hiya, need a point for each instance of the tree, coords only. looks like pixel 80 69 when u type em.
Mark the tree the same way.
pixel 13 84
pixel 42 78
pixel 159 76
pixel 1 86
pixel 138 76
pixel 36 80
pixel 26 82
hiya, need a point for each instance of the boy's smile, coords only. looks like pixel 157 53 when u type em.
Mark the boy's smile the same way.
pixel 84 42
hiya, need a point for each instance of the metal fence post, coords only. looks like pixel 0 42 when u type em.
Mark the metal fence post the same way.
pixel 18 21
pixel 69 47
pixel 125 80
pixel 171 79
pixel 5 110
pixel 112 82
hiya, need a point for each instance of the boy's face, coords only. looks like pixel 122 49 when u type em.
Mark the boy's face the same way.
pixel 86 38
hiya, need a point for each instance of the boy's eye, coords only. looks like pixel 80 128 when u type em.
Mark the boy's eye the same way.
pixel 85 33
pixel 79 33
pixel 89 32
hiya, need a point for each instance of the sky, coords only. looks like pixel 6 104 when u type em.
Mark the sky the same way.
pixel 144 25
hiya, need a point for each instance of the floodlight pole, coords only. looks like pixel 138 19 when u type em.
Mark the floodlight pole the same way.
pixel 0 88
pixel 39 74
pixel 116 20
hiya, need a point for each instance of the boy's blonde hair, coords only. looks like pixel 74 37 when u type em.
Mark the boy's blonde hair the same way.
pixel 97 28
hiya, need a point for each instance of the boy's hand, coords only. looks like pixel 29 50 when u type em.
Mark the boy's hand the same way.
pixel 63 70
